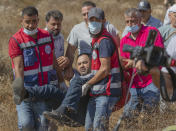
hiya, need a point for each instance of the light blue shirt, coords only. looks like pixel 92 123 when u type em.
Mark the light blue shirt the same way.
pixel 151 22
pixel 58 45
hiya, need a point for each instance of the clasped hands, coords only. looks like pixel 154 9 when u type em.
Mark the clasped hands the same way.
pixel 139 64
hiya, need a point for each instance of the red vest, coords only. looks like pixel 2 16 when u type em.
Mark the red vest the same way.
pixel 111 85
pixel 38 58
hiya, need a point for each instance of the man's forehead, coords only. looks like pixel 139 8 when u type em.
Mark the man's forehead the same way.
pixel 52 19
pixel 86 8
pixel 173 13
pixel 130 17
pixel 83 58
pixel 30 17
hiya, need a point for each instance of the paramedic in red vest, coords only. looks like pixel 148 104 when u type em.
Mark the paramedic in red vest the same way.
pixel 105 86
pixel 145 95
pixel 31 51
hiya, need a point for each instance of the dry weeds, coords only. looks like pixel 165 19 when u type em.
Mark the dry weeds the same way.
pixel 10 23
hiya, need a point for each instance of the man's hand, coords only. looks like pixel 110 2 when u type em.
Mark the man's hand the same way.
pixel 127 63
pixel 63 62
pixel 140 66
pixel 19 91
pixel 85 88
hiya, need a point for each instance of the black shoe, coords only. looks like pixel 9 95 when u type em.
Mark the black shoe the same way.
pixel 19 92
pixel 53 116
pixel 65 110
pixel 62 116
pixel 68 116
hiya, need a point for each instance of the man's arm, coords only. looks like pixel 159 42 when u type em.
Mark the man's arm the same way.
pixel 58 70
pixel 70 53
pixel 102 72
pixel 18 67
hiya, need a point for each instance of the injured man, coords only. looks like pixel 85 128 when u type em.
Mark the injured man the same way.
pixel 72 110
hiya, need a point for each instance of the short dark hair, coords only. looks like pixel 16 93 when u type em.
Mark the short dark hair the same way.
pixel 29 11
pixel 88 3
pixel 89 55
pixel 56 14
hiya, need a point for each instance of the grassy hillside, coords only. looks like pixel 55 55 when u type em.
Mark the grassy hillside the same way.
pixel 71 9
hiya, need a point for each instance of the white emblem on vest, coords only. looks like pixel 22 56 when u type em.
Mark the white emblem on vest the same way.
pixel 94 55
pixel 47 49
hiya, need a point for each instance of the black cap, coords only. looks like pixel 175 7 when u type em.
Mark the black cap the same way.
pixel 143 5
pixel 96 12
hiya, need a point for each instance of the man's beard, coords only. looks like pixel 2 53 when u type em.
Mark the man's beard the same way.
pixel 53 33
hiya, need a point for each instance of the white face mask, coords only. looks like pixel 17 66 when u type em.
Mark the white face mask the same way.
pixel 28 32
pixel 133 29
pixel 95 27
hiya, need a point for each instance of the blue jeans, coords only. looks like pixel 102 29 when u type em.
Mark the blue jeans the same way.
pixel 30 116
pixel 142 99
pixel 30 112
pixel 74 100
pixel 47 91
pixel 52 94
pixel 98 112
pixel 74 92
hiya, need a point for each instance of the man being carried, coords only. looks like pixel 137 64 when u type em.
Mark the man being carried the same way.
pixel 72 111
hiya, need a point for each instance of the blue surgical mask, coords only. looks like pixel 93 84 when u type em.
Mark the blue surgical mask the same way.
pixel 28 32
pixel 94 27
pixel 133 28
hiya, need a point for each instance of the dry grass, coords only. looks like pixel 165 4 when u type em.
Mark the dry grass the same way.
pixel 10 23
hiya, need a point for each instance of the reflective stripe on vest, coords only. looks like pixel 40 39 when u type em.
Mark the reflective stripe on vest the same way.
pixel 36 71
pixel 113 85
pixel 40 41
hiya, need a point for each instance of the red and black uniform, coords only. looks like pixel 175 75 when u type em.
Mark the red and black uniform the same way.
pixel 37 57
pixel 110 85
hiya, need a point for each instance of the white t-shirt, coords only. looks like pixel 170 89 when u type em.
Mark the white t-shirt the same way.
pixel 171 50
pixel 80 36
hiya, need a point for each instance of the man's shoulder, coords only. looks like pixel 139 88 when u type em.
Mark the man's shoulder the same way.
pixel 111 29
pixel 155 19
pixel 79 26
pixel 148 28
pixel 125 37
pixel 61 35
pixel 18 33
pixel 166 27
pixel 154 22
pixel 43 32
pixel 109 25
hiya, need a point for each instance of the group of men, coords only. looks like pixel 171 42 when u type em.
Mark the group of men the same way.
pixel 40 67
